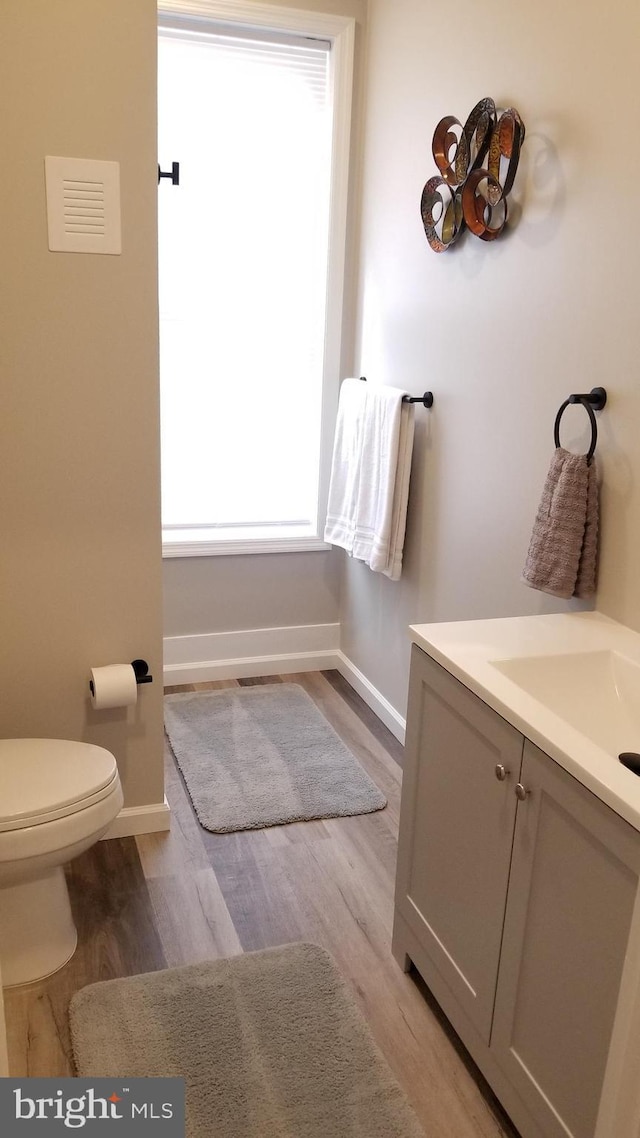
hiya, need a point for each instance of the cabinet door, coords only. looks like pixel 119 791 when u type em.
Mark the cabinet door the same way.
pixel 456 832
pixel 574 876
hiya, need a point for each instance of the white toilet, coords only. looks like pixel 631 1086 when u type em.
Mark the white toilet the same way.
pixel 56 799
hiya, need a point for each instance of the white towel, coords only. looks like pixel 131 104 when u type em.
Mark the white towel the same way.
pixel 393 567
pixel 342 505
pixel 369 487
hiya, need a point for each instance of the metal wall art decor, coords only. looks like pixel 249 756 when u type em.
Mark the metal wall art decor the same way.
pixel 477 164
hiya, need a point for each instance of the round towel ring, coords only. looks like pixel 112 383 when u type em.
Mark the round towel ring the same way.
pixel 596 398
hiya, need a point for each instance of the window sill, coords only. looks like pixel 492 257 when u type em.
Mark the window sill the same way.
pixel 200 543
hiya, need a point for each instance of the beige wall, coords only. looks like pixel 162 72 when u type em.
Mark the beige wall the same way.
pixel 80 568
pixel 220 594
pixel 502 333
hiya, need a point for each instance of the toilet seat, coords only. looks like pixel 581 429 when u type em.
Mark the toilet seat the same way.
pixel 42 780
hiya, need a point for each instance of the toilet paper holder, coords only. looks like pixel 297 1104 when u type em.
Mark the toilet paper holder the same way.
pixel 141 669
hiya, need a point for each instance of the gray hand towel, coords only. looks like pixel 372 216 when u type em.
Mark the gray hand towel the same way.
pixel 563 549
pixel 586 582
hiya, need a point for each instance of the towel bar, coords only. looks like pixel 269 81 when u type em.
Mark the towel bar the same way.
pixel 426 399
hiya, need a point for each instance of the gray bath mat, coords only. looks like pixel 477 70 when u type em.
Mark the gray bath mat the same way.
pixel 270 1043
pixel 261 756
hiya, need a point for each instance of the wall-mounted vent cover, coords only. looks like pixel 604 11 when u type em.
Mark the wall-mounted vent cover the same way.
pixel 83 205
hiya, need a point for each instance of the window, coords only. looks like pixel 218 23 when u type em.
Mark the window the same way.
pixel 251 261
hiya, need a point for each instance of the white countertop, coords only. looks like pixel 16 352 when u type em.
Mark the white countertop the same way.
pixel 466 649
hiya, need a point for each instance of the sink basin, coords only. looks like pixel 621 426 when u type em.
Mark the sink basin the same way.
pixel 597 693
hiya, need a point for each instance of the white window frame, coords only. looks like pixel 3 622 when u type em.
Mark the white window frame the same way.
pixel 340 31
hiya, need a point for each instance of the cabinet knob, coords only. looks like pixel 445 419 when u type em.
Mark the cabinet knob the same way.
pixel 501 772
pixel 521 792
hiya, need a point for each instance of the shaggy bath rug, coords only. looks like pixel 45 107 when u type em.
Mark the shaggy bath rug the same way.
pixel 264 755
pixel 271 1045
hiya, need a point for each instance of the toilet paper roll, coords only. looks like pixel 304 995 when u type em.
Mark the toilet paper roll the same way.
pixel 113 686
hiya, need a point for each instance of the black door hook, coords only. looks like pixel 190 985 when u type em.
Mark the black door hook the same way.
pixel 173 173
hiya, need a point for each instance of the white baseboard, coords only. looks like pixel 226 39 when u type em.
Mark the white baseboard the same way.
pixel 248 666
pixel 256 652
pixel 372 697
pixel 140 820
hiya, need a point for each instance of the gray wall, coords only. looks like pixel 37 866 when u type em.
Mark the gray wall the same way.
pixel 502 333
pixel 233 594
pixel 79 495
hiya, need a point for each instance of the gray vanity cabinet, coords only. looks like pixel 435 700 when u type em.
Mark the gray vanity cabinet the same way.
pixel 572 888
pixel 456 832
pixel 514 897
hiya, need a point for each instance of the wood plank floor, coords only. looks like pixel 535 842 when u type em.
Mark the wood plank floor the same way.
pixel 162 900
